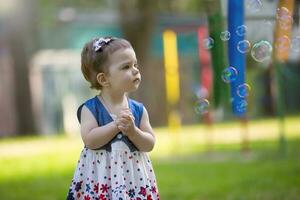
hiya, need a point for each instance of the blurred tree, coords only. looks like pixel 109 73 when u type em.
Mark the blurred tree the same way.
pixel 21 42
pixel 49 9
pixel 137 20
pixel 182 6
pixel 21 33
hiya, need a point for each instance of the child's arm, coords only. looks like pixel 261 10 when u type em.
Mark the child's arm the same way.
pixel 92 135
pixel 143 137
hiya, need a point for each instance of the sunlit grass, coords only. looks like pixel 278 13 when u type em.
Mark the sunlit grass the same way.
pixel 195 138
pixel 42 167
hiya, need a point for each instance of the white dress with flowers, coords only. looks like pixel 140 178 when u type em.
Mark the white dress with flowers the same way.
pixel 116 171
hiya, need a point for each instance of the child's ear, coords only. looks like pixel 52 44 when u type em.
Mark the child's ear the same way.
pixel 102 79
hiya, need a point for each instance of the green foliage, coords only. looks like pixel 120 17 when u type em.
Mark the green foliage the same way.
pixel 73 3
pixel 181 6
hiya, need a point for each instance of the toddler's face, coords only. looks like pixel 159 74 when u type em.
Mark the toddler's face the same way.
pixel 124 75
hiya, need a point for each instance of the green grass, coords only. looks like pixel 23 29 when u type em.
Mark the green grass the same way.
pixel 258 174
pixel 41 168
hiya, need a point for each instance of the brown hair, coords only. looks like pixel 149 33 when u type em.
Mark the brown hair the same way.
pixel 94 62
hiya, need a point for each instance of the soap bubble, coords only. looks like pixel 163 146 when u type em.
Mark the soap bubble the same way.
pixel 282 13
pixel 254 5
pixel 285 23
pixel 284 18
pixel 295 44
pixel 229 74
pixel 241 30
pixel 225 35
pixel 208 43
pixel 282 43
pixel 261 51
pixel 243 90
pixel 243 46
pixel 201 106
pixel 241 106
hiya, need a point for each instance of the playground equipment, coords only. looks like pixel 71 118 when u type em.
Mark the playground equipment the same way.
pixel 236 58
pixel 172 77
pixel 280 55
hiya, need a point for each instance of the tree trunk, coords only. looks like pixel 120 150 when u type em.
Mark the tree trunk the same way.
pixel 21 44
pixel 138 23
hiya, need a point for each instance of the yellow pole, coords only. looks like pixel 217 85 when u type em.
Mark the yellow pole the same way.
pixel 281 44
pixel 172 78
pixel 172 85
pixel 283 29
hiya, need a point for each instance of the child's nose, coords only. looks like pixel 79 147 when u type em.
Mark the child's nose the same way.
pixel 136 70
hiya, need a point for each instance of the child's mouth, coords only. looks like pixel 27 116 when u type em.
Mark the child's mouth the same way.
pixel 136 80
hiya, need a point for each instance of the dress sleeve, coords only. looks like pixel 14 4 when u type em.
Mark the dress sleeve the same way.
pixel 140 113
pixel 92 106
pixel 79 112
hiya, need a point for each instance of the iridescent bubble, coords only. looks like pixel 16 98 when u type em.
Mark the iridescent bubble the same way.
pixel 229 74
pixel 225 35
pixel 241 30
pixel 243 46
pixel 283 43
pixel 243 90
pixel 208 43
pixel 286 22
pixel 295 44
pixel 201 106
pixel 261 51
pixel 254 5
pixel 282 13
pixel 241 106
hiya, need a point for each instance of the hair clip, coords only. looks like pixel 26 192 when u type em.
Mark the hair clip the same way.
pixel 100 42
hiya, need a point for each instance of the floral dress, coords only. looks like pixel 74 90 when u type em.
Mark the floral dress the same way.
pixel 116 171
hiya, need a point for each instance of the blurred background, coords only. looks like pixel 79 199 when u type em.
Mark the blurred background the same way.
pixel 211 143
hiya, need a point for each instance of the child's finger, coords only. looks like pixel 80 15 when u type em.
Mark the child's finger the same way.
pixel 121 128
pixel 123 113
pixel 126 115
pixel 131 115
pixel 123 121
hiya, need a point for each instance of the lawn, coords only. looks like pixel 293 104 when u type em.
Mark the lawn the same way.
pixel 41 168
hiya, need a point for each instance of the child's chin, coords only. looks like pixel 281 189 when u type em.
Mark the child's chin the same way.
pixel 134 88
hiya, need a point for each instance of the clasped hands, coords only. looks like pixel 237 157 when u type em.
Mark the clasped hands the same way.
pixel 125 122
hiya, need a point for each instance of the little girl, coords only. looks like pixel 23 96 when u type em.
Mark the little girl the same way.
pixel 114 128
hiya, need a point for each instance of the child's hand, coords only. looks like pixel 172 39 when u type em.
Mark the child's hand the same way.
pixel 125 122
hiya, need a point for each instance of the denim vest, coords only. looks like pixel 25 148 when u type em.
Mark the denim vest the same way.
pixel 103 117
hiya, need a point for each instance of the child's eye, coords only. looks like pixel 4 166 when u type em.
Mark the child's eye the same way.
pixel 126 67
